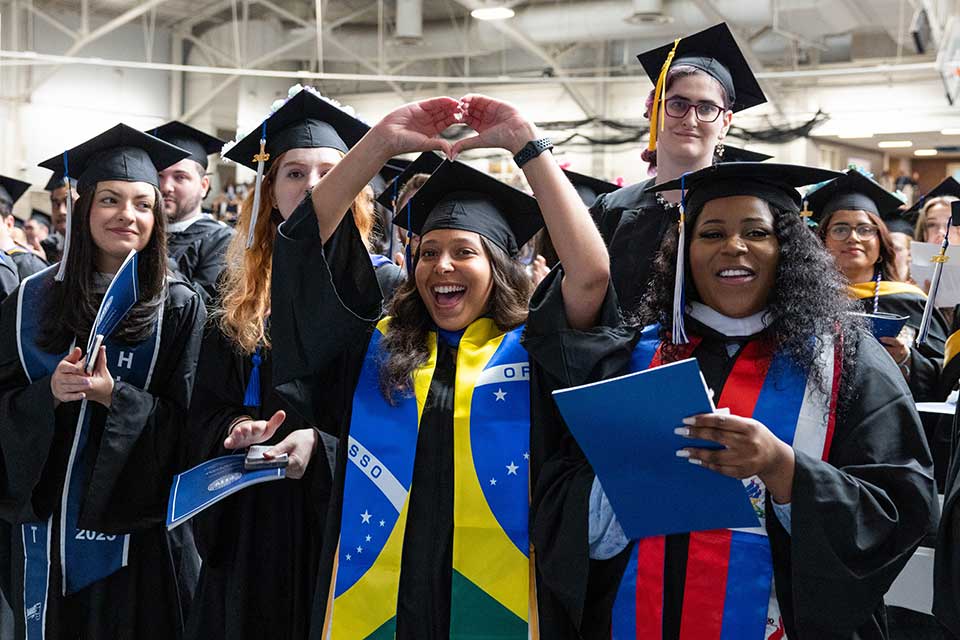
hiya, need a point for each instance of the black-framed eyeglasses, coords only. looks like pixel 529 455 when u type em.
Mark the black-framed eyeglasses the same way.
pixel 864 231
pixel 679 107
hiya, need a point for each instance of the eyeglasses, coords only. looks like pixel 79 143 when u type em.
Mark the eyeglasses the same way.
pixel 843 231
pixel 706 111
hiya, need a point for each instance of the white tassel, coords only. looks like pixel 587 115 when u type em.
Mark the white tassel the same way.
pixel 679 304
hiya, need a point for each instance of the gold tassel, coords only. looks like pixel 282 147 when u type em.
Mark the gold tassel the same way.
pixel 659 93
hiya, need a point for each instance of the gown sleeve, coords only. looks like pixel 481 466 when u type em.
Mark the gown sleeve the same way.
pixel 140 444
pixel 946 563
pixel 561 477
pixel 325 302
pixel 24 451
pixel 858 517
pixel 210 262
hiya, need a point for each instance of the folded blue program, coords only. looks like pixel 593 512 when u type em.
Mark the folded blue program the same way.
pixel 885 325
pixel 210 482
pixel 625 427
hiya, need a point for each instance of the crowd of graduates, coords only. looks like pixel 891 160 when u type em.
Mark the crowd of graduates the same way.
pixel 405 366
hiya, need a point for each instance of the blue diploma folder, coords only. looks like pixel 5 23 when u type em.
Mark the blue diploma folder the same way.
pixel 208 483
pixel 625 428
pixel 885 325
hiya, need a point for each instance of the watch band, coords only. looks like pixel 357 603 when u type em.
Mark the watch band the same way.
pixel 531 150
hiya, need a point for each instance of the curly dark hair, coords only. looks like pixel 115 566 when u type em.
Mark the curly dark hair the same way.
pixel 809 298
pixel 72 304
pixel 405 344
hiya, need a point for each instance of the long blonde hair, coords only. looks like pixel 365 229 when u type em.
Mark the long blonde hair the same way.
pixel 245 286
pixel 920 231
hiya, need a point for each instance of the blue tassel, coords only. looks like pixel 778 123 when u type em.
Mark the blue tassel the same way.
pixel 409 261
pixel 251 397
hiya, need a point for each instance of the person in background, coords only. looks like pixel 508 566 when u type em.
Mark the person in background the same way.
pixel 59 192
pixel 703 79
pixel 28 262
pixel 197 243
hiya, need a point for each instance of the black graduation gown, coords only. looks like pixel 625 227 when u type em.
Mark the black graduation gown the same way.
pixel 633 226
pixel 9 276
pixel 946 567
pixel 133 452
pixel 28 263
pixel 856 519
pixel 260 546
pixel 320 356
pixel 199 253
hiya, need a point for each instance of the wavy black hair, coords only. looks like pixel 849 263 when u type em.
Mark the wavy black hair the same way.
pixel 809 299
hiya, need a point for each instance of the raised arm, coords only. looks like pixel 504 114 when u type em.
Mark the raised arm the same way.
pixel 412 127
pixel 574 235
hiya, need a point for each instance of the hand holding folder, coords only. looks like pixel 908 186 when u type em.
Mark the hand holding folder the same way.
pixel 625 426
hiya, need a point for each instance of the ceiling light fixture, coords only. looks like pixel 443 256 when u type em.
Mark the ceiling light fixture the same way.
pixel 950 132
pixel 925 152
pixel 493 12
pixel 895 144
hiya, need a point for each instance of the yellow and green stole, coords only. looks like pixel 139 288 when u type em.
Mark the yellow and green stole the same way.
pixel 491 551
pixel 863 290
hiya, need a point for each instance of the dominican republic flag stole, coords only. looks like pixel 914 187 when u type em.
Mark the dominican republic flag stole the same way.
pixel 491 550
pixel 85 556
pixel 729 591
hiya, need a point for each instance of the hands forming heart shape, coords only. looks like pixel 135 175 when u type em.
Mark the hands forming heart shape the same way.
pixel 417 126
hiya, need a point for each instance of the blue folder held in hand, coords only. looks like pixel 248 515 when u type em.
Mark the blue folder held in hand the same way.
pixel 625 427
pixel 884 325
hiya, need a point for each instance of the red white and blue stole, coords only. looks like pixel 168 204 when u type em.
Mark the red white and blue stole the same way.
pixel 490 595
pixel 85 556
pixel 729 591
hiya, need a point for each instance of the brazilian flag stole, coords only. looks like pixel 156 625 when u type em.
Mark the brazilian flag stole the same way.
pixel 85 556
pixel 491 551
pixel 729 592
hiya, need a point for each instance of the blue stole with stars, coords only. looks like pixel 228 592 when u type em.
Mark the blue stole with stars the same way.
pixel 491 558
pixel 85 556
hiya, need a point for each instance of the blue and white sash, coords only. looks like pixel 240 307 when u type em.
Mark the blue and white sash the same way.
pixel 85 556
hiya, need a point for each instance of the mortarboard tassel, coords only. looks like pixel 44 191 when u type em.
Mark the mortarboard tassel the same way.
pixel 260 159
pixel 251 397
pixel 407 250
pixel 659 92
pixel 940 259
pixel 61 270
pixel 679 335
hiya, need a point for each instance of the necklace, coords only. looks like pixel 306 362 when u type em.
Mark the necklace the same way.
pixel 666 204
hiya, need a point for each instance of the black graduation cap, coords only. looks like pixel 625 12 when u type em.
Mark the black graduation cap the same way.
pixel 854 191
pixel 12 189
pixel 736 154
pixel 715 52
pixel 775 183
pixel 949 187
pixel 119 153
pixel 41 217
pixel 56 181
pixel 588 187
pixel 898 222
pixel 459 197
pixel 426 162
pixel 196 142
pixel 305 121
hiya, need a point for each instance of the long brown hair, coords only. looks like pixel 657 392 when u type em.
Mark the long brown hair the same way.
pixel 72 304
pixel 888 255
pixel 245 285
pixel 405 344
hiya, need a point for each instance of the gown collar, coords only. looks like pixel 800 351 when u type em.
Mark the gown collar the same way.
pixel 726 326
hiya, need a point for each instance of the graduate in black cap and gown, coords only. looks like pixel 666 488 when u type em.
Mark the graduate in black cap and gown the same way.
pixel 397 194
pixel 261 547
pixel 700 81
pixel 196 243
pixel 89 458
pixel 427 531
pixel 59 192
pixel 822 430
pixel 28 262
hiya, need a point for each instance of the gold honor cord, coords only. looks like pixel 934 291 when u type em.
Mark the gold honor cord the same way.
pixel 659 93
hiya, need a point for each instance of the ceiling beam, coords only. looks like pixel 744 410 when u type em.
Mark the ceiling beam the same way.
pixel 529 45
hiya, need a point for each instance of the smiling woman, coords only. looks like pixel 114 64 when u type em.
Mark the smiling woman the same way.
pixel 820 428
pixel 89 456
